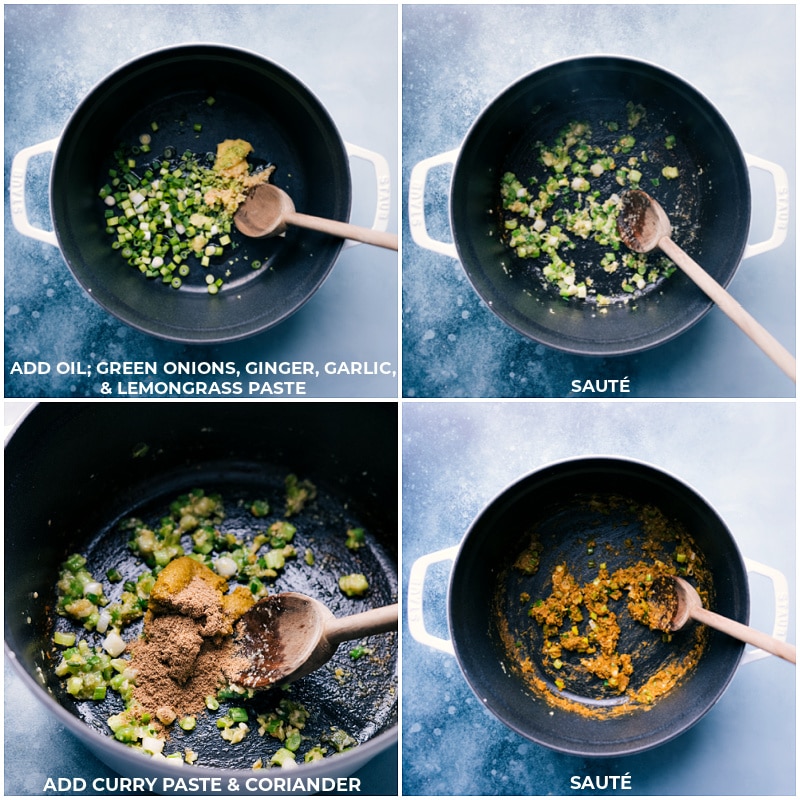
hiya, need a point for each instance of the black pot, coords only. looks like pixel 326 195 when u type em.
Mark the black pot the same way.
pixel 548 498
pixel 74 470
pixel 254 100
pixel 588 89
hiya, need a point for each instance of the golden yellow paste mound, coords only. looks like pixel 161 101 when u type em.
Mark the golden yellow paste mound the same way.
pixel 178 574
pixel 230 165
pixel 231 160
pixel 189 588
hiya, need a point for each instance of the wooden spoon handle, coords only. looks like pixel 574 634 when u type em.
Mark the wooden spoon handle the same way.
pixel 343 230
pixel 376 620
pixel 763 338
pixel 745 634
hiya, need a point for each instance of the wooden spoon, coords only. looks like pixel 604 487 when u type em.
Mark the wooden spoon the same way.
pixel 268 211
pixel 681 598
pixel 286 636
pixel 644 225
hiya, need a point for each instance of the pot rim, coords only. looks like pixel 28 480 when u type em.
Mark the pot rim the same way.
pixel 158 52
pixel 585 457
pixel 620 748
pixel 106 747
pixel 112 302
pixel 557 341
pixel 622 59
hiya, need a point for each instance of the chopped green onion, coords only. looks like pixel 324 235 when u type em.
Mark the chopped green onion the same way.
pixel 64 639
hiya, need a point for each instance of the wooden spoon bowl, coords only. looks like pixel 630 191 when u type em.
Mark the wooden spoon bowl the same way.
pixel 678 598
pixel 286 636
pixel 643 226
pixel 269 211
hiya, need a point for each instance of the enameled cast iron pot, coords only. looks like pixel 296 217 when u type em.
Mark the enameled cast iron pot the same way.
pixel 74 470
pixel 254 99
pixel 548 498
pixel 535 108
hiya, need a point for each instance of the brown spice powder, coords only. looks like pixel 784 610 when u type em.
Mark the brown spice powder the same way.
pixel 185 651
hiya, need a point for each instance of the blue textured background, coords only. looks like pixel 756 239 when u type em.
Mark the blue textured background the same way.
pixel 458 58
pixel 345 55
pixel 458 456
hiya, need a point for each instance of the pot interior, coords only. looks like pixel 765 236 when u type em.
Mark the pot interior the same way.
pixel 714 194
pixel 254 100
pixel 120 466
pixel 484 605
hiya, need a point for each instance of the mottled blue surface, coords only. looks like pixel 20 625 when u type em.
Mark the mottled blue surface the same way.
pixel 458 58
pixel 458 456
pixel 346 56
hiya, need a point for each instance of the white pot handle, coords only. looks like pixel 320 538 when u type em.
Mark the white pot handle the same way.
pixel 416 620
pixel 416 204
pixel 16 192
pixel 414 605
pixel 781 183
pixel 384 186
pixel 19 169
pixel 780 588
pixel 419 232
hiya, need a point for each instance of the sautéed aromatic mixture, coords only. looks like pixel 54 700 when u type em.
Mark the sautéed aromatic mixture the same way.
pixel 192 581
pixel 171 213
pixel 561 220
pixel 588 636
